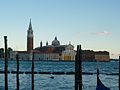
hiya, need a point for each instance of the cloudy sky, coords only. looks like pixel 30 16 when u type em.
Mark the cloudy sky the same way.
pixel 95 24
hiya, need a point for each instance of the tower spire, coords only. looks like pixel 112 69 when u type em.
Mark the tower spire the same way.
pixel 30 25
pixel 30 37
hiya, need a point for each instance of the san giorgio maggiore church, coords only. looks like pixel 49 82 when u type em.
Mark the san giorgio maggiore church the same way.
pixel 55 51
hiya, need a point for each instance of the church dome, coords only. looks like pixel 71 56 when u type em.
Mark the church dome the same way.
pixel 55 42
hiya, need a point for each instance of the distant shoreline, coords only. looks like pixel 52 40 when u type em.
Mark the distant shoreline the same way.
pixel 44 60
pixel 61 60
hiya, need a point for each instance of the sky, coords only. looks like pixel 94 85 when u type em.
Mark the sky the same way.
pixel 95 24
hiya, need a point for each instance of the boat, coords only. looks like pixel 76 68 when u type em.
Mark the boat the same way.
pixel 100 85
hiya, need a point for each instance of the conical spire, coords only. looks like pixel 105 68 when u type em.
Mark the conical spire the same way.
pixel 30 25
pixel 30 37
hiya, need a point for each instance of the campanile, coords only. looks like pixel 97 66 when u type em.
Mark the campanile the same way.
pixel 30 37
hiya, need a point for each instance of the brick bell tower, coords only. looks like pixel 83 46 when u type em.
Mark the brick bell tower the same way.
pixel 30 37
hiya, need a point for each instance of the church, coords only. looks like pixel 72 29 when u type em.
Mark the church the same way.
pixel 55 51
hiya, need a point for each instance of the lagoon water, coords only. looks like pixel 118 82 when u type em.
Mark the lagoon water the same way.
pixel 60 82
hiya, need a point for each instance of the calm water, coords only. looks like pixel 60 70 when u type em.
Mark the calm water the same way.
pixel 60 82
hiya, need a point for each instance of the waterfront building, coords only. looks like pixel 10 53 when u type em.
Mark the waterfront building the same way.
pixel 24 55
pixel 69 53
pixel 46 56
pixel 88 55
pixel 55 51
pixel 1 53
pixel 102 56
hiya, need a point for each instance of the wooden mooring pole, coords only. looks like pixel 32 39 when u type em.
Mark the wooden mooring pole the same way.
pixel 119 72
pixel 78 69
pixel 17 75
pixel 33 70
pixel 6 64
